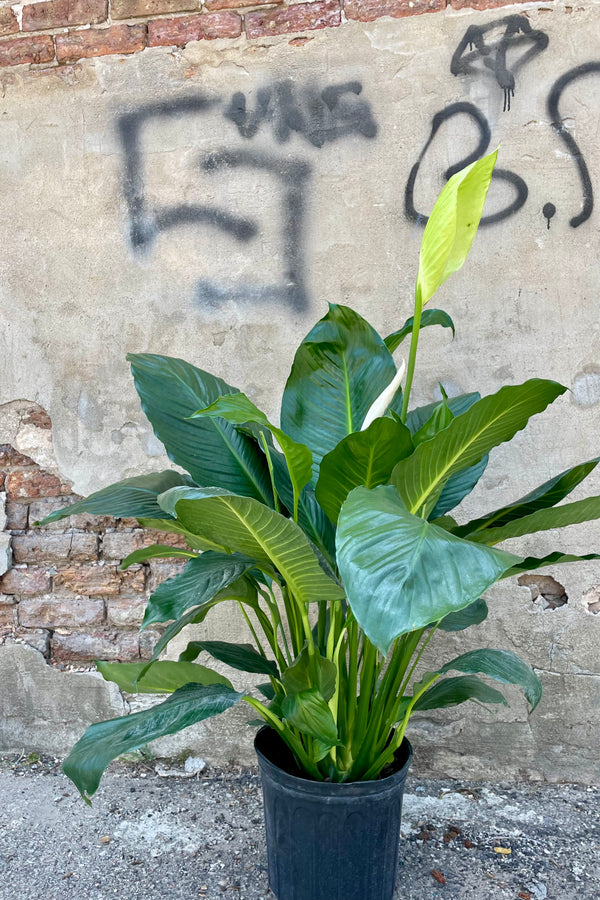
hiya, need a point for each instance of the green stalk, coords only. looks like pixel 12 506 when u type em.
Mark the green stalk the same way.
pixel 286 735
pixel 265 446
pixel 406 681
pixel 412 356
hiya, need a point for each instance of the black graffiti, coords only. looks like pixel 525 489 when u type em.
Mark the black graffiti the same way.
pixel 292 177
pixel 319 116
pixel 548 211
pixel 484 131
pixel 590 68
pixel 487 48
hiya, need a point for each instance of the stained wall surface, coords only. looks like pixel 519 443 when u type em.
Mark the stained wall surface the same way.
pixel 207 201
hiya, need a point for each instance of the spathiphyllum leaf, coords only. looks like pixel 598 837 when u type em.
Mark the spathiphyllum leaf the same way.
pixel 364 457
pixel 491 421
pixel 132 498
pixel 452 691
pixel 429 317
pixel 299 676
pixel 309 712
pixel 239 656
pixel 452 225
pixel 311 518
pixel 473 614
pixel 339 369
pixel 250 528
pixel 530 563
pixel 213 451
pixel 160 678
pixel 238 409
pixel 542 520
pixel 402 572
pixel 157 551
pixel 104 741
pixel 501 665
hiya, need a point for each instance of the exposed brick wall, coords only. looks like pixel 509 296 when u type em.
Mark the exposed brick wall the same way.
pixel 58 32
pixel 64 592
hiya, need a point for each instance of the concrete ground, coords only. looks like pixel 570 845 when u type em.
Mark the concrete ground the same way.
pixel 169 837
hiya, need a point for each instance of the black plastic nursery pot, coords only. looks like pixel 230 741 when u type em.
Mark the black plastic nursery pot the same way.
pixel 329 841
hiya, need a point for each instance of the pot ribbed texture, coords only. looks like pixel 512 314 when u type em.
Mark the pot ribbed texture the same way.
pixel 329 841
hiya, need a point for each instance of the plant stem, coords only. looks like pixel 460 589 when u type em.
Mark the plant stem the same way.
pixel 412 356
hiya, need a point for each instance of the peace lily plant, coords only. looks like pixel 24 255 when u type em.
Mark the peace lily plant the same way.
pixel 331 534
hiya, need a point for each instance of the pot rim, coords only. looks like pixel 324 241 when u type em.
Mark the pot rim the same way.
pixel 329 788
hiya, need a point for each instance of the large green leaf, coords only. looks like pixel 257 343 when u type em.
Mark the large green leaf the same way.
pixel 364 457
pixel 309 712
pixel 201 579
pixel 311 518
pixel 452 691
pixel 473 614
pixel 299 676
pixel 160 678
pixel 421 477
pixel 239 656
pixel 542 520
pixel 402 572
pixel 418 416
pixel 132 498
pixel 340 368
pixel 501 665
pixel 104 741
pixel 213 451
pixel 238 409
pixel 546 495
pixel 429 317
pixel 530 563
pixel 452 225
pixel 248 527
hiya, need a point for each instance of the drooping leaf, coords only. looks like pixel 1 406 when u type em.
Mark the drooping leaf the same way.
pixel 473 614
pixel 157 551
pixel 428 317
pixel 213 451
pixel 104 741
pixel 161 677
pixel 452 225
pixel 364 457
pixel 402 572
pixel 309 712
pixel 239 656
pixel 501 665
pixel 238 409
pixel 171 526
pixel 299 677
pixel 493 420
pixel 452 691
pixel 531 563
pixel 546 495
pixel 250 528
pixel 201 579
pixel 542 520
pixel 242 591
pixel 132 498
pixel 339 369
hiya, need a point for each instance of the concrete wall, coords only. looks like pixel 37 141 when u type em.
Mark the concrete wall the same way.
pixel 207 202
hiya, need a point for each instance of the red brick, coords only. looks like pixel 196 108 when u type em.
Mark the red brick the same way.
pixel 180 31
pixel 33 482
pixel 57 612
pixel 368 10
pixel 57 13
pixel 238 4
pixel 298 17
pixel 123 646
pixel 42 547
pixel 483 4
pixel 39 509
pixel 16 516
pixel 9 457
pixel 34 49
pixel 91 581
pixel 130 9
pixel 160 571
pixel 126 612
pixel 134 580
pixel 100 42
pixel 38 417
pixel 7 610
pixel 30 580
pixel 8 21
pixel 116 545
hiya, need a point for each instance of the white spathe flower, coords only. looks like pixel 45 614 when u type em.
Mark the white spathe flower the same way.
pixel 379 406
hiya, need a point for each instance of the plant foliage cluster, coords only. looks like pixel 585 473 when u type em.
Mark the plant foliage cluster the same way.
pixel 331 534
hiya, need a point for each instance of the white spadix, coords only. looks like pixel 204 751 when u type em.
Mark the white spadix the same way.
pixel 379 406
